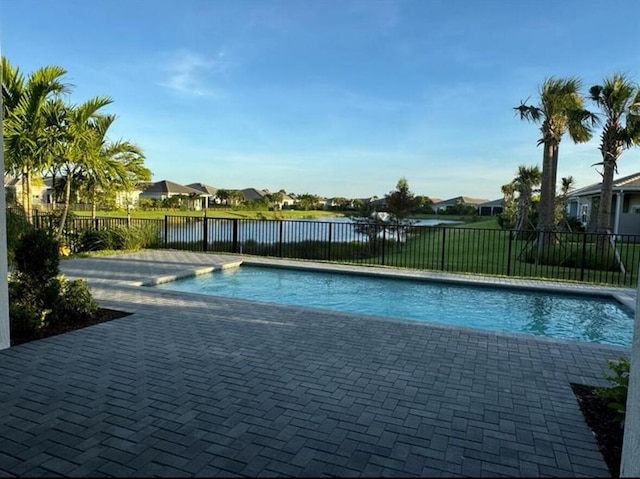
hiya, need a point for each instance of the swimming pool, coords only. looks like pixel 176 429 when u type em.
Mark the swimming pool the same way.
pixel 562 316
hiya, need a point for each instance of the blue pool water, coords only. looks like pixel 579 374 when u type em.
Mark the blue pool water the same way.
pixel 598 320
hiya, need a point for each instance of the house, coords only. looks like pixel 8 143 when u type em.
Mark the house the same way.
pixel 162 190
pixel 41 190
pixel 128 199
pixel 490 208
pixel 441 206
pixel 625 205
pixel 211 192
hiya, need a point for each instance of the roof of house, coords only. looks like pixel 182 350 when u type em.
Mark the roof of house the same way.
pixel 252 194
pixel 463 199
pixel 497 202
pixel 626 182
pixel 208 189
pixel 169 187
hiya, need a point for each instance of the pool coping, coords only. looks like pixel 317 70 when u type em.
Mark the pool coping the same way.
pixel 624 296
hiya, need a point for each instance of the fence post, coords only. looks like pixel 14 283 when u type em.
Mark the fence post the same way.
pixel 166 230
pixel 235 235
pixel 584 255
pixel 280 227
pixel 329 245
pixel 384 242
pixel 444 237
pixel 205 234
pixel 509 253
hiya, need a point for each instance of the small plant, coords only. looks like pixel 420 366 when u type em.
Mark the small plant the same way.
pixel 616 396
pixel 74 303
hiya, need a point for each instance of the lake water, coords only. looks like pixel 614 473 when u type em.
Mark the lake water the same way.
pixel 333 229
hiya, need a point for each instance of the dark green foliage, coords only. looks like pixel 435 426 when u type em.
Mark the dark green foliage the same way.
pixel 74 303
pixel 37 256
pixel 119 237
pixel 92 240
pixel 616 396
pixel 38 296
pixel 401 202
pixel 570 255
pixel 17 224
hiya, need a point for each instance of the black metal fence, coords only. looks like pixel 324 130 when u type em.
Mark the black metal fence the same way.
pixel 576 256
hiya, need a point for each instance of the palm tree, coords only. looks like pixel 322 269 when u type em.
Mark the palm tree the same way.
pixel 561 110
pixel 84 130
pixel 619 101
pixel 566 185
pixel 117 168
pixel 25 137
pixel 525 181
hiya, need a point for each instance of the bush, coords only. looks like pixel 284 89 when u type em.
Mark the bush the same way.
pixel 27 314
pixel 37 256
pixel 616 396
pixel 17 225
pixel 38 296
pixel 74 303
pixel 92 240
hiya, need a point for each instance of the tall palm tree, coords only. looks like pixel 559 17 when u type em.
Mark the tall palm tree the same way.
pixel 619 101
pixel 560 110
pixel 525 181
pixel 24 99
pixel 84 129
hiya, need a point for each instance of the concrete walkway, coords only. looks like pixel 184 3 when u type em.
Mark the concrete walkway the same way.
pixel 201 386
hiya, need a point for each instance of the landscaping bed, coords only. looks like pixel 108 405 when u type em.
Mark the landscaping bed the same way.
pixel 601 420
pixel 101 316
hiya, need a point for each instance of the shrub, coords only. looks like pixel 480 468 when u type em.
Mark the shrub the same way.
pixel 616 396
pixel 37 256
pixel 74 303
pixel 17 225
pixel 92 240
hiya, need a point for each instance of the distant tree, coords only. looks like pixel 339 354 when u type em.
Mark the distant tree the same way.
pixel 400 203
pixel 223 196
pixel 424 205
pixel 368 223
pixel 308 201
pixel 507 219
pixel 525 181
pixel 566 186
pixel 340 203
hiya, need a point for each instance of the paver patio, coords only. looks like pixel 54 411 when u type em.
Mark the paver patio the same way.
pixel 193 385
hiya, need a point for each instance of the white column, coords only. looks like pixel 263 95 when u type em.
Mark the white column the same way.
pixel 616 217
pixel 5 340
pixel 630 461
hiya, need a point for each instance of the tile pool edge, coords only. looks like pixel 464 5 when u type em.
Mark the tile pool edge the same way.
pixel 186 274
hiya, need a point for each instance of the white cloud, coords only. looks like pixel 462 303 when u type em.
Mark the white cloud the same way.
pixel 189 72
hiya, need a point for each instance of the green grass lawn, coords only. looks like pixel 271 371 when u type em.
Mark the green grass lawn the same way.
pixel 482 248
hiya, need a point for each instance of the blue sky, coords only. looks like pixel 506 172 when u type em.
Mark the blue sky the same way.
pixel 336 98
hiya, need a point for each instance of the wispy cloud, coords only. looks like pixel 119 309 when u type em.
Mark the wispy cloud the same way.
pixel 190 72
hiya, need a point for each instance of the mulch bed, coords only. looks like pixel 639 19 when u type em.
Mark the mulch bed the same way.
pixel 601 419
pixel 103 315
